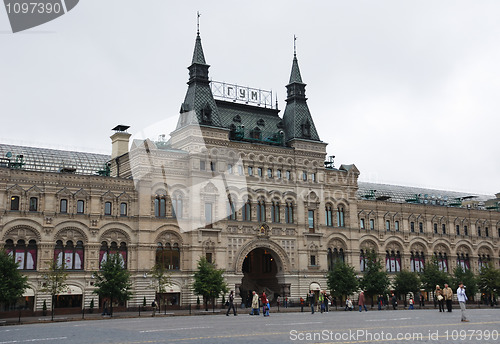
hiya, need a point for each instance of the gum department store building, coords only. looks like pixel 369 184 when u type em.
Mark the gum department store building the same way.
pixel 236 183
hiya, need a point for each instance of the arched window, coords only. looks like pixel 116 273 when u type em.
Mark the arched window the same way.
pixel 168 256
pixel 160 206
pixel 466 230
pixel 340 217
pixel 362 261
pixel 458 229
pixel 335 256
pixel 484 260
pixel 14 203
pixel 443 228
pixel 112 249
pixel 231 210
pixel 80 207
pixel 63 206
pixel 276 212
pixel 289 212
pixel 107 208
pixel 442 259
pixel 177 206
pixel 435 228
pixel 328 215
pixel 396 226
pixel 71 256
pixel 247 211
pixel 261 211
pixel 24 255
pixel 123 209
pixel 463 261
pixel 33 204
pixel 417 261
pixel 387 225
pixel 393 261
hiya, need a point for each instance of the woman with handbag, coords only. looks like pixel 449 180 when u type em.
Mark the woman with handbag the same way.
pixel 438 293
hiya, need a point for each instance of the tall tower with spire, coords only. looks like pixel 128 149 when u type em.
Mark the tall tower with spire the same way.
pixel 297 119
pixel 199 106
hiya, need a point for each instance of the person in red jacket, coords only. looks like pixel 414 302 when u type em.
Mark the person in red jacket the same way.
pixel 265 303
pixel 361 301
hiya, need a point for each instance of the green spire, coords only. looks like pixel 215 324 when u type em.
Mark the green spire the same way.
pixel 295 75
pixel 198 56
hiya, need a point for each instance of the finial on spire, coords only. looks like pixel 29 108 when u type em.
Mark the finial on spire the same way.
pixel 276 102
pixel 294 45
pixel 198 22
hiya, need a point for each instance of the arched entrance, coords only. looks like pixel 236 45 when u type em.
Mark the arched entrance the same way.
pixel 260 269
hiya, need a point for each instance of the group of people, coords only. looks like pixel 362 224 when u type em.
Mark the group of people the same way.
pixel 320 301
pixel 445 296
pixel 255 304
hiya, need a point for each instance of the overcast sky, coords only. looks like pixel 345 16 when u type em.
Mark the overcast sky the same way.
pixel 407 91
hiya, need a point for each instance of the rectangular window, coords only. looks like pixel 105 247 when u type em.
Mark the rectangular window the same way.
pixel 304 175
pixel 202 165
pixel 278 174
pixel 123 209
pixel 107 208
pixel 64 206
pixel 269 173
pixel 80 207
pixel 458 229
pixel 250 170
pixel 313 177
pixel 212 166
pixel 412 227
pixel 443 228
pixel 396 226
pixel 362 223
pixel 208 214
pixel 420 227
pixel 466 230
pixel 288 175
pixel 208 256
pixel 310 219
pixel 33 204
pixel 259 171
pixel 435 228
pixel 230 169
pixel 313 260
pixel 372 224
pixel 388 225
pixel 14 203
pixel 486 232
pixel 240 170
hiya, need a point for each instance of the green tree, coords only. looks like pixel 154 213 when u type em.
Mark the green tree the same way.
pixel 208 281
pixel 489 280
pixel 13 282
pixel 113 281
pixel 161 277
pixel 375 279
pixel 469 280
pixel 432 276
pixel 406 282
pixel 342 280
pixel 54 282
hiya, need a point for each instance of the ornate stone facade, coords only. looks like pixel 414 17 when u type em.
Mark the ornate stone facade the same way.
pixel 215 190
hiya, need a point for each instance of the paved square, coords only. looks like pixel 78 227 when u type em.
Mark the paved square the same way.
pixel 403 326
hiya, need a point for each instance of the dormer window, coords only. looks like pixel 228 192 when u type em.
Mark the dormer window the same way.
pixel 261 122
pixel 206 114
pixel 306 129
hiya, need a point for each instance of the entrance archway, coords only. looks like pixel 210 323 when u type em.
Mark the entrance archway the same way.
pixel 260 269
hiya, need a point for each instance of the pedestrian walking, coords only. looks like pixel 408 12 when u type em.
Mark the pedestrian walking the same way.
pixel 411 303
pixel 422 300
pixel 311 296
pixel 265 304
pixel 394 301
pixel 154 306
pixel 231 304
pixel 361 301
pixel 321 301
pixel 439 297
pixel 462 299
pixel 448 296
pixel 255 304
pixel 302 302
pixel 348 305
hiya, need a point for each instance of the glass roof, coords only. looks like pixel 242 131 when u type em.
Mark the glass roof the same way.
pixel 409 194
pixel 51 160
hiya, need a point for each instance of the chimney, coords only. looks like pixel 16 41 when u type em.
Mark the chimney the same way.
pixel 119 141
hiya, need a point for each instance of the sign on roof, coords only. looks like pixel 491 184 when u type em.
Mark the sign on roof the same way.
pixel 242 94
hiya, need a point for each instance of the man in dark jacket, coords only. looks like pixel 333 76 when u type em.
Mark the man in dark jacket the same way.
pixel 231 304
pixel 394 302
